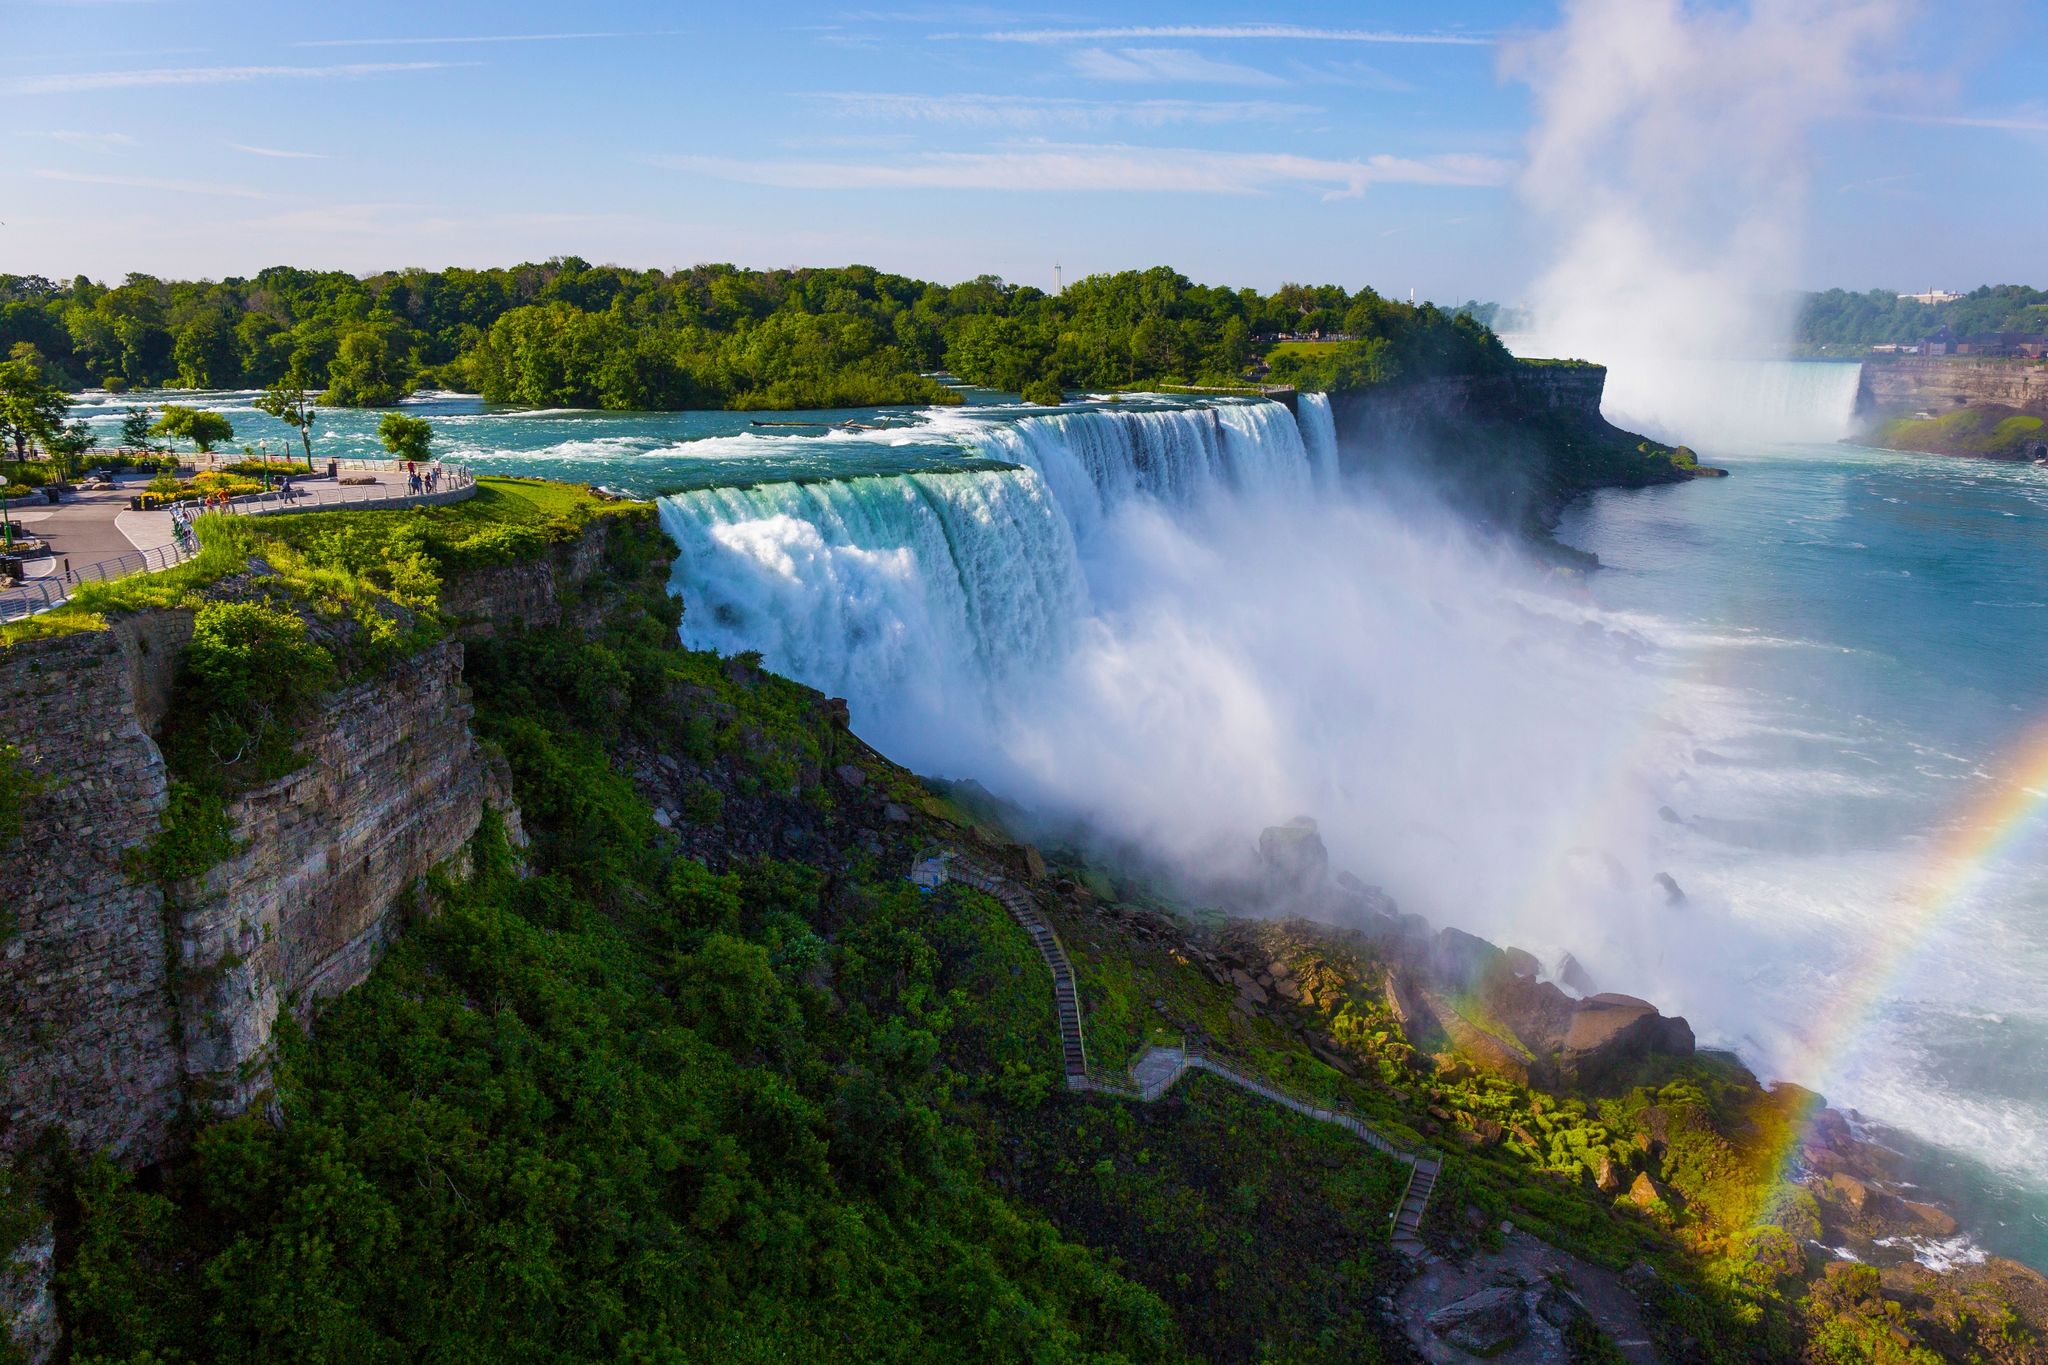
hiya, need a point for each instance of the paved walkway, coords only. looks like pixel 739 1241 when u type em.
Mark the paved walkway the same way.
pixel 1156 1071
pixel 95 533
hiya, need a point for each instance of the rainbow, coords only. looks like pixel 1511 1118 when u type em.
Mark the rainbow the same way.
pixel 1979 840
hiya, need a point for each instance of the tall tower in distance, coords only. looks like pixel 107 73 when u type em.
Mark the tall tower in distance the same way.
pixel 1057 286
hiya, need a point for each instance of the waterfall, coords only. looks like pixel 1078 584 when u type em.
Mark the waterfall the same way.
pixel 1718 404
pixel 1097 461
pixel 926 599
pixel 1319 435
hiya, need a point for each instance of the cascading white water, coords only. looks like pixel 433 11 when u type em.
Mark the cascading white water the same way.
pixel 1319 434
pixel 1717 404
pixel 924 599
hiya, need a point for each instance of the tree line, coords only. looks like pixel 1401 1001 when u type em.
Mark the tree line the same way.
pixel 565 333
pixel 1879 317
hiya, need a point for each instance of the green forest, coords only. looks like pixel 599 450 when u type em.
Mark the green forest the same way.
pixel 1878 317
pixel 570 334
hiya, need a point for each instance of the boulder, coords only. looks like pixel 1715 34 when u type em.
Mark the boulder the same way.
pixel 1608 1032
pixel 1522 963
pixel 1672 894
pixel 1538 1013
pixel 834 712
pixel 1937 1222
pixel 1294 857
pixel 1850 1190
pixel 1647 1193
pixel 1462 961
pixel 1573 976
pixel 1560 1307
pixel 852 775
pixel 1609 1177
pixel 1485 1323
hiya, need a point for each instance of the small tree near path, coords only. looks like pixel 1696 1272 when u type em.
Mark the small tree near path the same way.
pixel 135 432
pixel 286 400
pixel 405 437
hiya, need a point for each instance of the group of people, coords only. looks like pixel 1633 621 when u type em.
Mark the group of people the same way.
pixel 419 480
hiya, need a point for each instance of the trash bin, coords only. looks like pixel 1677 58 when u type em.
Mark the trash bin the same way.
pixel 51 494
pixel 334 470
pixel 135 502
pixel 11 568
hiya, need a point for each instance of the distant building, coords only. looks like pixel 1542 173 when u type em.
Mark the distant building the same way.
pixel 1932 296
pixel 2000 343
pixel 2032 345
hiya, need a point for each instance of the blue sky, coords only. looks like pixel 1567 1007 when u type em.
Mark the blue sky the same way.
pixel 1364 143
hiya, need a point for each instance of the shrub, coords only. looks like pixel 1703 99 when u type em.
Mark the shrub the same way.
pixel 249 671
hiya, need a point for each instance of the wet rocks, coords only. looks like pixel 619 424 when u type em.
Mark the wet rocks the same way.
pixel 1609 1031
pixel 1573 976
pixel 1293 857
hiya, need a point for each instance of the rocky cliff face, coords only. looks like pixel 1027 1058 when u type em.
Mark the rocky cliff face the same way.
pixel 105 1032
pixel 88 1039
pixel 119 1006
pixel 1511 447
pixel 1933 384
pixel 330 855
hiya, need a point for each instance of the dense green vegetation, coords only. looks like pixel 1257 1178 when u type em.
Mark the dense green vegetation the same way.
pixel 1988 430
pixel 1840 319
pixel 569 334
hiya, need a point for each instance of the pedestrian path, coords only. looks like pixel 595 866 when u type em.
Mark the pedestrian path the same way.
pixel 1158 1069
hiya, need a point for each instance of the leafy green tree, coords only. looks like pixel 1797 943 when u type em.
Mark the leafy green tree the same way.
pixel 364 373
pixel 201 427
pixel 205 352
pixel 31 407
pixel 286 400
pixel 135 432
pixel 407 438
pixel 71 441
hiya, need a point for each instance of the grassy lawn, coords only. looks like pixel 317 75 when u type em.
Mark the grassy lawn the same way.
pixel 1302 348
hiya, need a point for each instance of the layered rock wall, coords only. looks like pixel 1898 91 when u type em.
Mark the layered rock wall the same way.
pixel 394 786
pixel 88 1040
pixel 118 1005
pixel 1932 384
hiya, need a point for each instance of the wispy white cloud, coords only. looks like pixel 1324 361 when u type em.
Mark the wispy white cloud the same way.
pixel 1037 167
pixel 1029 113
pixel 1294 31
pixel 483 38
pixel 278 152
pixel 79 81
pixel 1172 64
pixel 91 142
pixel 141 182
pixel 2025 121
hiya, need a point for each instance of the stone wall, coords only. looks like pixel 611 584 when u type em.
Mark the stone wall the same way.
pixel 1902 387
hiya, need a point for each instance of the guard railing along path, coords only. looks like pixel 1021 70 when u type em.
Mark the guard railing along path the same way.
pixel 34 595
pixel 1159 1068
